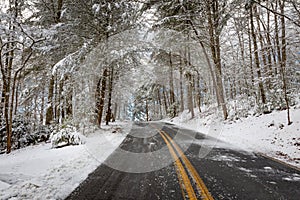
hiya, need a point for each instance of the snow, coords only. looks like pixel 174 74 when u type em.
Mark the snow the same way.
pixel 268 168
pixel 245 170
pixel 65 136
pixel 42 172
pixel 267 134
pixel 295 178
pixel 225 158
pixel 4 185
pixel 96 8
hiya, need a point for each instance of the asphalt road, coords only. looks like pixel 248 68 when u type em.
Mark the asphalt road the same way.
pixel 162 161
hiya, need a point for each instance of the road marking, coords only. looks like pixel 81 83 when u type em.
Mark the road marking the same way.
pixel 200 184
pixel 192 171
pixel 181 173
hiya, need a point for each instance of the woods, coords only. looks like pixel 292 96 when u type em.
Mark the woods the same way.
pixel 72 62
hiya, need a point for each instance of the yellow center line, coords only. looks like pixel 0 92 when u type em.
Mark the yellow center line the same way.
pixel 181 184
pixel 182 173
pixel 200 184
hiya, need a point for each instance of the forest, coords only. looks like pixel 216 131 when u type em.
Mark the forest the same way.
pixel 82 64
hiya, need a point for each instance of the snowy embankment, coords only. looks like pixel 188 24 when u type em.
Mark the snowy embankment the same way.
pixel 267 134
pixel 41 172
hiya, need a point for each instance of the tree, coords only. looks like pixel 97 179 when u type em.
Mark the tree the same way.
pixel 284 59
pixel 17 47
pixel 214 13
pixel 256 57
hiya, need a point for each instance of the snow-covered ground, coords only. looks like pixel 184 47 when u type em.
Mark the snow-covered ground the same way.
pixel 41 172
pixel 268 134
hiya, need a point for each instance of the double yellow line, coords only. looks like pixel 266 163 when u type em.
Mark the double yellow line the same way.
pixel 182 174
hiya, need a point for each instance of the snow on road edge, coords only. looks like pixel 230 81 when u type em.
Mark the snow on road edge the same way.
pixel 267 134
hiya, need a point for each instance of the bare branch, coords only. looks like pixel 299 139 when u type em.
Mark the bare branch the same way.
pixel 277 13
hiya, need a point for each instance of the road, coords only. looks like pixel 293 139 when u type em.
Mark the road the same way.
pixel 161 161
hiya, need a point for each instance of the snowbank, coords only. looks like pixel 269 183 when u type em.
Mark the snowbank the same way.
pixel 267 134
pixel 41 172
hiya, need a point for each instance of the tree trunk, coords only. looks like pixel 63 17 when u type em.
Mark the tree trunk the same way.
pixel 11 110
pixel 213 23
pixel 7 121
pixel 181 87
pixel 283 60
pixel 7 112
pixel 56 99
pixel 42 107
pixel 147 111
pixel 17 98
pixel 172 97
pixel 242 48
pixel 102 97
pixel 160 103
pixel 69 104
pixel 190 94
pixel 172 91
pixel 97 99
pixel 198 92
pixel 277 42
pixel 209 67
pixel 165 100
pixel 49 111
pixel 2 103
pixel 35 112
pixel 60 102
pixel 109 112
pixel 251 59
pixel 262 48
pixel 260 83
pixel 270 50
pixel 59 10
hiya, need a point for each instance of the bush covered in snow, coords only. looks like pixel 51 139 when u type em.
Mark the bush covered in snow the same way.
pixel 66 136
pixel 23 134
